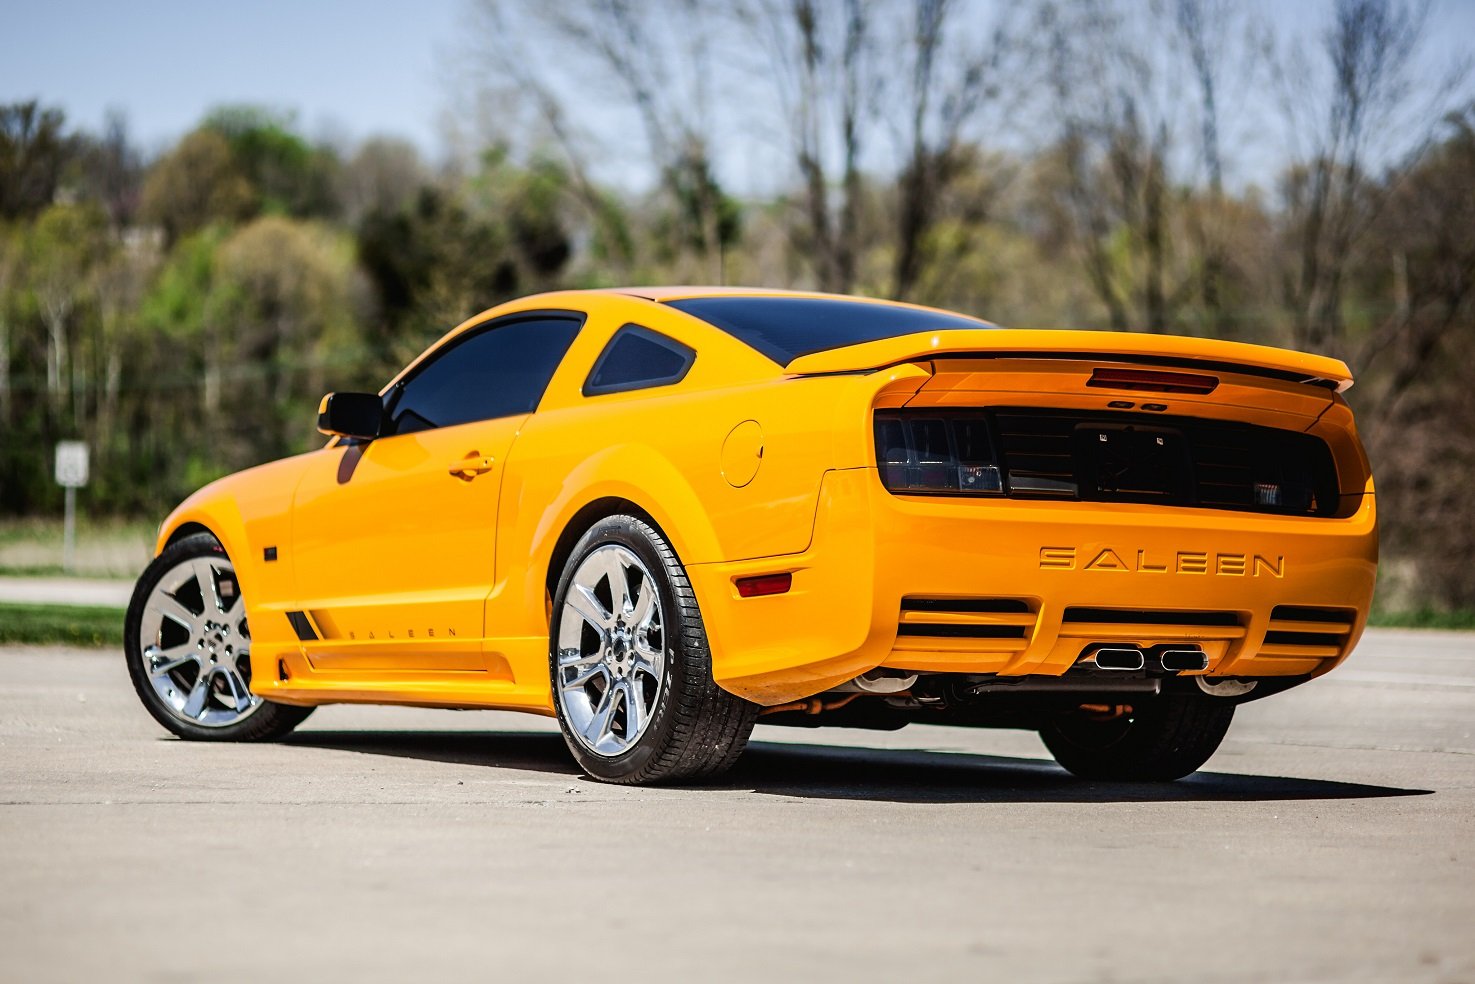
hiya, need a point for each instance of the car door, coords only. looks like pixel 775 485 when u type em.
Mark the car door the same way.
pixel 394 539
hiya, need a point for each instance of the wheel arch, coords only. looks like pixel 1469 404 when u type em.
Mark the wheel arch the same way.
pixel 581 522
pixel 601 486
pixel 189 528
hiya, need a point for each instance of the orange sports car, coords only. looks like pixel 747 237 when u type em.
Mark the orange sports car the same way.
pixel 663 515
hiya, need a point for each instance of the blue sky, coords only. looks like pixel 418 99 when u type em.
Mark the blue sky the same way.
pixel 359 67
pixel 347 69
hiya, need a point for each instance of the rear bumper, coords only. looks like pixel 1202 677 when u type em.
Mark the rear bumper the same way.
pixel 1018 587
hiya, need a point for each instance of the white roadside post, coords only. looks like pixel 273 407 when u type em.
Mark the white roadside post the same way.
pixel 71 474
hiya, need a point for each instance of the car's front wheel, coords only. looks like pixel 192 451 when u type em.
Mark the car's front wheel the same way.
pixel 631 671
pixel 1162 740
pixel 188 648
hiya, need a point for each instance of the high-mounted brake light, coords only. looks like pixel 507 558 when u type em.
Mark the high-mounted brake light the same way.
pixel 1152 381
pixel 764 584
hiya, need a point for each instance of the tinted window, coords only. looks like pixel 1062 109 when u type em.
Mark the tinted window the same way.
pixel 637 357
pixel 784 328
pixel 492 372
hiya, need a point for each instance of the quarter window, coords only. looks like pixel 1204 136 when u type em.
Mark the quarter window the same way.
pixel 496 371
pixel 636 358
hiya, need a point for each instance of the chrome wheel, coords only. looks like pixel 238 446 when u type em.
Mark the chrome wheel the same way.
pixel 611 655
pixel 196 644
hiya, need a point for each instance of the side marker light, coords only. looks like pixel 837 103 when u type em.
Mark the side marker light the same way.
pixel 764 584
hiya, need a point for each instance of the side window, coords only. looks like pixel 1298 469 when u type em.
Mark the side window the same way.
pixel 635 358
pixel 490 372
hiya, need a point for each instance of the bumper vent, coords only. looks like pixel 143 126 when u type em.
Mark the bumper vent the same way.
pixel 992 625
pixel 1143 625
pixel 1307 633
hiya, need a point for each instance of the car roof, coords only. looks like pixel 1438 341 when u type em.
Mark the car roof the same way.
pixel 680 293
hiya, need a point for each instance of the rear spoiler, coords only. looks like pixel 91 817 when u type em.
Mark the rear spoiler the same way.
pixel 1028 343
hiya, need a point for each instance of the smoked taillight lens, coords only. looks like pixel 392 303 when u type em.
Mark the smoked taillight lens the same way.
pixel 920 453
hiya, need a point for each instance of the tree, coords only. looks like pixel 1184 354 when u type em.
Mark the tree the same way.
pixel 951 91
pixel 33 154
pixel 1374 116
pixel 282 296
pixel 1421 261
pixel 109 171
pixel 656 57
pixel 820 62
pixel 1221 49
pixel 383 175
pixel 10 259
pixel 119 282
pixel 1113 109
pixel 62 249
pixel 197 183
pixel 289 176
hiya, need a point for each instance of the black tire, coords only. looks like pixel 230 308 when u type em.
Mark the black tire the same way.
pixel 696 730
pixel 1163 740
pixel 267 722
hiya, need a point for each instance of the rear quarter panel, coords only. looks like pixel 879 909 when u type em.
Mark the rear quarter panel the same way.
pixel 662 449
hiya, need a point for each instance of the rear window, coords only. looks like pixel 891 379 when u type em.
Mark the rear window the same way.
pixel 785 328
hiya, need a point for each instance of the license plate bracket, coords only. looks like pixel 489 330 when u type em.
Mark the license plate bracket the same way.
pixel 1132 463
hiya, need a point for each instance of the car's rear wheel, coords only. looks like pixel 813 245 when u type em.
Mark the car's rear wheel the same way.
pixel 630 668
pixel 188 648
pixel 1162 740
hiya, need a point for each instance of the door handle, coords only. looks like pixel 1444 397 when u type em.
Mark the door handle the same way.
pixel 472 465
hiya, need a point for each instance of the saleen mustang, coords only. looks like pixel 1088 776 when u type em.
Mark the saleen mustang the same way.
pixel 663 515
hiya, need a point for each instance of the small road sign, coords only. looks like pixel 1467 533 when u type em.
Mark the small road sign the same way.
pixel 71 464
pixel 71 474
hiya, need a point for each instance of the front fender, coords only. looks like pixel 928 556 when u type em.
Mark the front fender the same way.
pixel 248 512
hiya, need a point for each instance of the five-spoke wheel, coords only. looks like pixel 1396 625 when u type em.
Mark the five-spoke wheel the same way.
pixel 629 665
pixel 196 644
pixel 611 650
pixel 189 648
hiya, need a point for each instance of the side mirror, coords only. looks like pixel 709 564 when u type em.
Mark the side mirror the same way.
pixel 359 415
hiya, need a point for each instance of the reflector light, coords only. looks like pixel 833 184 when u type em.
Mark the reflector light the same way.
pixel 1152 381
pixel 764 584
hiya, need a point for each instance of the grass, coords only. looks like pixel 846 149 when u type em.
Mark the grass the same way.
pixel 74 625
pixel 106 548
pixel 1426 618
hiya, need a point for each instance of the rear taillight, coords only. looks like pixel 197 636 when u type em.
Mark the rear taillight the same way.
pixel 920 453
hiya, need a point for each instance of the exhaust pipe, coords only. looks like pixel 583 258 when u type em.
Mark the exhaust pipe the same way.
pixel 1183 660
pixel 1119 658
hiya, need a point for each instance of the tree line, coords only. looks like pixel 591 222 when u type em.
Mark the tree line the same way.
pixel 1080 163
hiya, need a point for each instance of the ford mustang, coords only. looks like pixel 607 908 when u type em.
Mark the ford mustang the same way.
pixel 663 515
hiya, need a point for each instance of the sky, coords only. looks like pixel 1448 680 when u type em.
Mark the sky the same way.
pixel 348 69
pixel 355 68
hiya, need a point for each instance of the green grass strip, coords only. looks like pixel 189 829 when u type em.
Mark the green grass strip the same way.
pixel 74 625
pixel 1426 618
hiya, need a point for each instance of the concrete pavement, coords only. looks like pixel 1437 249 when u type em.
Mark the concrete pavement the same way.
pixel 1329 840
pixel 65 591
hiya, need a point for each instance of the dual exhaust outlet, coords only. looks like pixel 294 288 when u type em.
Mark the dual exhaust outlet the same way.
pixel 1169 659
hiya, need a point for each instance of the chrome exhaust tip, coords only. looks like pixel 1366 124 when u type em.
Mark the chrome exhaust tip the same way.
pixel 1183 660
pixel 1119 658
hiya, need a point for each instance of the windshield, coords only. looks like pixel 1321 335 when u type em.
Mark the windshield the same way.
pixel 785 328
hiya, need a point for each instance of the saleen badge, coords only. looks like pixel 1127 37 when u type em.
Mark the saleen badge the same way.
pixel 1146 562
